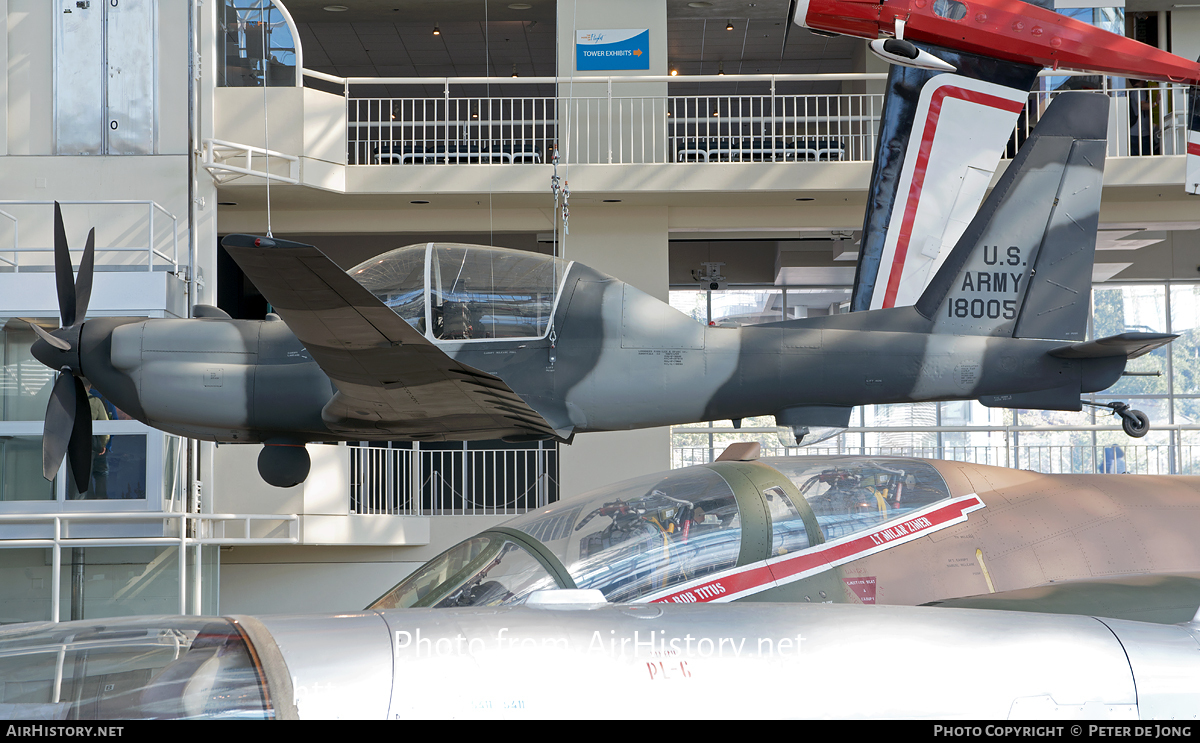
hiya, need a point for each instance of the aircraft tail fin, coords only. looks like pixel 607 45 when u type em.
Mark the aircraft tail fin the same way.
pixel 941 137
pixel 1023 267
pixel 1192 178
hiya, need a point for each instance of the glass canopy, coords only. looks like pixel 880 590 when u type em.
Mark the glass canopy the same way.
pixel 473 293
pixel 635 539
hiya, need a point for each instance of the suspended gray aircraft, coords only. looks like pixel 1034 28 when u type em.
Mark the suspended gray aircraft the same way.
pixel 461 342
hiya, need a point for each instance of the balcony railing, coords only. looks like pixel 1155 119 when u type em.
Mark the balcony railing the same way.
pixel 181 530
pixel 767 126
pixel 1004 449
pixel 146 236
pixel 444 482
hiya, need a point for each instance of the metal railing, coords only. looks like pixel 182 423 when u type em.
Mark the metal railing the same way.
pixel 221 158
pixel 426 131
pixel 204 530
pixel 626 130
pixel 164 248
pixel 443 482
pixel 1171 458
pixel 768 126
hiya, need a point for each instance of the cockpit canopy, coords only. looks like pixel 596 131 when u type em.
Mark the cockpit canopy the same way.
pixel 131 668
pixel 453 292
pixel 636 539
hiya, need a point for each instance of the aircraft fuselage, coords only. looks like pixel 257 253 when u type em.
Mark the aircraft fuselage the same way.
pixel 622 360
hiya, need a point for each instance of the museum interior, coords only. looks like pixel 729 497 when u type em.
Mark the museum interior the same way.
pixel 731 182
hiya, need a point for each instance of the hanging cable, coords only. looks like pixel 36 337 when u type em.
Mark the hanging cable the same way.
pixel 566 187
pixel 487 73
pixel 266 55
pixel 554 182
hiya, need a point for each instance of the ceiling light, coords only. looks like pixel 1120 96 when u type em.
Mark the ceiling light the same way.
pixel 674 72
pixel 336 8
pixel 436 31
pixel 729 26
pixel 700 5
pixel 519 6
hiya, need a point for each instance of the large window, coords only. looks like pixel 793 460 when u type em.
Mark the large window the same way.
pixel 123 450
pixel 256 45
pixel 1165 384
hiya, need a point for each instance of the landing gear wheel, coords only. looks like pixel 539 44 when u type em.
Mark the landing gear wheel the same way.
pixel 1135 422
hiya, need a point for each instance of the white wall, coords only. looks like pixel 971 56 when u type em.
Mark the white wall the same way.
pixel 1185 32
pixel 275 580
pixel 630 243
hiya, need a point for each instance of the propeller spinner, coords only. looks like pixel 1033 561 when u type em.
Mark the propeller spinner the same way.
pixel 68 429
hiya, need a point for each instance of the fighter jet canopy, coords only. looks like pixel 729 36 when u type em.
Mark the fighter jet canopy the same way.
pixel 455 292
pixel 638 539
pixel 144 668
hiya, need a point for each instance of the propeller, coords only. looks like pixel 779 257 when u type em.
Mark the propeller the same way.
pixel 68 430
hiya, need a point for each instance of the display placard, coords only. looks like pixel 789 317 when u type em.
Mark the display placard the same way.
pixel 613 49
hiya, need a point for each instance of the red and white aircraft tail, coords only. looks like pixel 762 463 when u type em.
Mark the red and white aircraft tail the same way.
pixel 1192 176
pixel 941 136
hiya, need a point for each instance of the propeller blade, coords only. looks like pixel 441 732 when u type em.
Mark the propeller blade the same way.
pixel 42 333
pixel 79 449
pixel 83 282
pixel 64 276
pixel 60 420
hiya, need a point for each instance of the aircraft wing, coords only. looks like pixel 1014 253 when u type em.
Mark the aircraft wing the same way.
pixel 1128 345
pixel 389 377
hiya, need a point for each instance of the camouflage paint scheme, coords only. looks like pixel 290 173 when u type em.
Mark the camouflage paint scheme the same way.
pixel 1002 321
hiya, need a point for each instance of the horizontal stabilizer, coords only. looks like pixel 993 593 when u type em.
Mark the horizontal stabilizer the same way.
pixel 1127 345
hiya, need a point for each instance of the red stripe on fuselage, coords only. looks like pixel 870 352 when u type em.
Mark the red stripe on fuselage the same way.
pixel 762 575
pixel 1193 148
pixel 918 178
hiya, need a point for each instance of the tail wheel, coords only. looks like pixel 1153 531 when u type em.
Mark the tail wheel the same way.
pixel 1136 423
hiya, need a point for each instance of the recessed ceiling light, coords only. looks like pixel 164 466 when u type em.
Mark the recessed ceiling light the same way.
pixel 700 5
pixel 418 202
pixel 336 8
pixel 519 6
